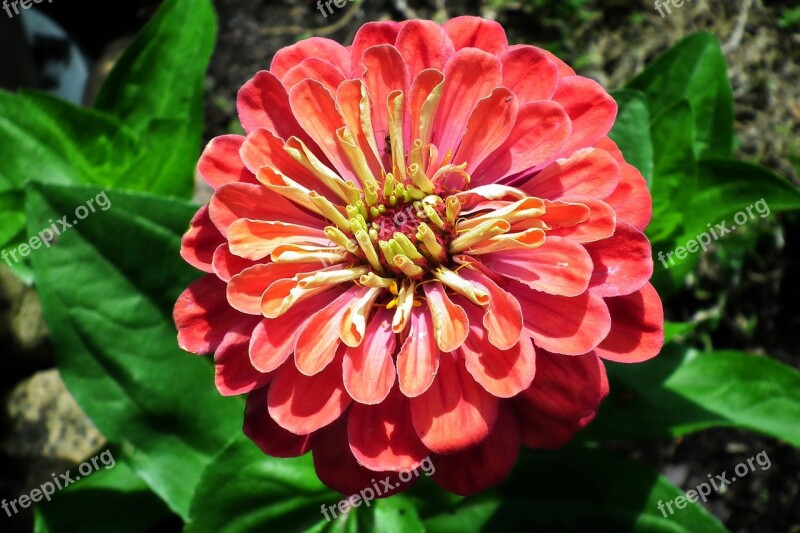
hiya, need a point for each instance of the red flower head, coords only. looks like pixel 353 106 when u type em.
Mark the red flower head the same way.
pixel 425 245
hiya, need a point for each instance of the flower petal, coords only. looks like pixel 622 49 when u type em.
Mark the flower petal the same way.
pixel 563 325
pixel 600 224
pixel 246 289
pixel 487 128
pixel 226 265
pixel 273 439
pixel 201 241
pixel 319 47
pixel 304 404
pixel 587 172
pixel 369 35
pixel 386 72
pixel 203 317
pixel 476 469
pixel 623 263
pixel 477 32
pixel 315 69
pixel 631 199
pixel 590 108
pixel 424 44
pixel 382 436
pixel 529 73
pixel 254 239
pixel 233 372
pixel 264 103
pixel 220 162
pixel 637 327
pixel 450 324
pixel 455 412
pixel 369 371
pixel 418 360
pixel 503 317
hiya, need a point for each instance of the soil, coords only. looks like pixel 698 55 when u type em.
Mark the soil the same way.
pixel 609 42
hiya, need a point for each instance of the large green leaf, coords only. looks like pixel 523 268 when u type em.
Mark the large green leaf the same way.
pixel 574 490
pixel 115 496
pixel 694 69
pixel 631 131
pixel 683 391
pixel 107 288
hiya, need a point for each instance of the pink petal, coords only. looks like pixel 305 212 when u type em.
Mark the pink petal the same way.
pixel 487 128
pixel 455 412
pixel 369 371
pixel 318 47
pixel 319 338
pixel 424 44
pixel 570 326
pixel 304 404
pixel 503 373
pixel 201 241
pixel 587 172
pixel 348 102
pixel 315 69
pixel 477 32
pixel 476 469
pixel 450 323
pixel 369 35
pixel 264 103
pixel 622 263
pixel 590 108
pixel 246 289
pixel 529 73
pixel 601 223
pixel 503 317
pixel 203 317
pixel 234 374
pixel 637 327
pixel 267 434
pixel 631 199
pixel 541 130
pixel 559 266
pixel 263 149
pixel 386 71
pixel 226 265
pixel 424 84
pixel 254 239
pixel 418 360
pixel 220 162
pixel 382 436
pixel 563 68
pixel 469 75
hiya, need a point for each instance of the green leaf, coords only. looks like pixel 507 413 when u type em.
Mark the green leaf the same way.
pixel 114 496
pixel 694 69
pixel 574 490
pixel 631 131
pixel 107 287
pixel 683 390
pixel 245 490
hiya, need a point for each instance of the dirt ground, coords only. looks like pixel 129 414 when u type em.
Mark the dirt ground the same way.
pixel 609 41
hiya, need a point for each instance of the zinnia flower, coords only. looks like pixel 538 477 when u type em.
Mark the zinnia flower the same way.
pixel 425 245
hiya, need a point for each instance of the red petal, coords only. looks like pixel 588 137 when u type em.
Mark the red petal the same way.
pixel 450 324
pixel 503 317
pixel 418 360
pixel 382 436
pixel 267 434
pixel 319 47
pixel 590 108
pixel 570 326
pixel 246 289
pixel 369 35
pixel 201 241
pixel 264 103
pixel 469 75
pixel 220 162
pixel 503 373
pixel 226 265
pixel 529 73
pixel 485 465
pixel 262 148
pixel 540 131
pixel 233 372
pixel 622 263
pixel 631 199
pixel 601 223
pixel 546 432
pixel 386 71
pixel 559 266
pixel 203 317
pixel 255 239
pixel 369 371
pixel 315 69
pixel 588 172
pixel 487 128
pixel 304 404
pixel 424 84
pixel 477 32
pixel 563 68
pixel 637 327
pixel 424 44
pixel 455 412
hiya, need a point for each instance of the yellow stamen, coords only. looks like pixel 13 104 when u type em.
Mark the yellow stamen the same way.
pixel 481 232
pixel 462 286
